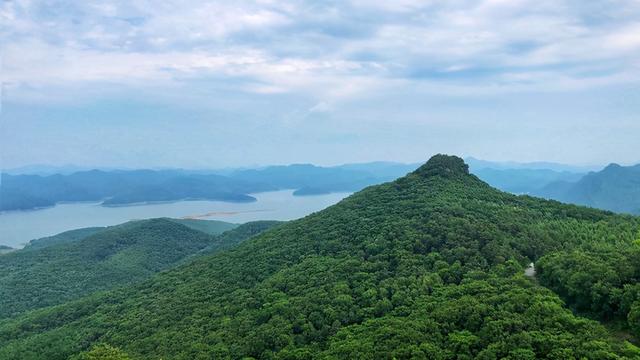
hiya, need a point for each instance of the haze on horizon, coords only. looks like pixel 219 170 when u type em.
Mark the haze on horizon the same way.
pixel 214 84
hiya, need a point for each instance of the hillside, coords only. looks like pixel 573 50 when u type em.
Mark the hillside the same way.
pixel 67 266
pixel 428 266
pixel 616 188
pixel 62 238
pixel 211 227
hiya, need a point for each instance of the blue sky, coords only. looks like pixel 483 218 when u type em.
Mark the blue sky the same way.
pixel 210 84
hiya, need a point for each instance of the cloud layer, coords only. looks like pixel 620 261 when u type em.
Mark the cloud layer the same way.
pixel 336 49
pixel 334 80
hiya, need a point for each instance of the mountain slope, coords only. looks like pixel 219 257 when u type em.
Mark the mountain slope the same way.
pixel 616 188
pixel 62 238
pixel 211 227
pixel 123 254
pixel 428 266
pixel 72 264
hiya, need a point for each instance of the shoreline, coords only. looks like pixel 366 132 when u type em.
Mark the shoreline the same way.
pixel 140 203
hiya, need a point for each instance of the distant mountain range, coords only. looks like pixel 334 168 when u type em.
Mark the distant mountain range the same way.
pixel 23 192
pixel 475 164
pixel 614 188
pixel 126 187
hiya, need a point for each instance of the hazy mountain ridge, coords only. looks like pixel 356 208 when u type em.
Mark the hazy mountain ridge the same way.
pixel 121 188
pixel 23 192
pixel 125 187
pixel 615 188
pixel 427 266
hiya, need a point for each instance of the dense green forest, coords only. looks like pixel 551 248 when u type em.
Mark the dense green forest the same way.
pixel 429 266
pixel 62 238
pixel 81 262
pixel 211 227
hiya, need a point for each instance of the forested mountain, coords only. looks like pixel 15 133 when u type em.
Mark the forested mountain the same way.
pixel 211 227
pixel 616 188
pixel 61 268
pixel 428 266
pixel 64 237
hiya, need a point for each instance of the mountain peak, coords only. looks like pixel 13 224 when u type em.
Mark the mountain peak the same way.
pixel 613 166
pixel 443 165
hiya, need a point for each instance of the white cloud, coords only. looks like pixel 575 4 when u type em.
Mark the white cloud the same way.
pixel 327 50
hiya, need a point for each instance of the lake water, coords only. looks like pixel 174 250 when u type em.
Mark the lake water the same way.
pixel 18 227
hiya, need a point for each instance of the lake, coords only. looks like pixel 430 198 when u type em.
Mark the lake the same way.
pixel 18 227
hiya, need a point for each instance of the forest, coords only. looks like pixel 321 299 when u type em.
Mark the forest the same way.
pixel 429 266
pixel 73 264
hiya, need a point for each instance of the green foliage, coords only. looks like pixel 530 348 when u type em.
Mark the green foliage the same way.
pixel 598 276
pixel 47 274
pixel 211 227
pixel 429 267
pixel 103 352
pixel 65 237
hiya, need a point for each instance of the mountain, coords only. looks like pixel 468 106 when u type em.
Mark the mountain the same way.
pixel 211 227
pixel 67 266
pixel 476 164
pixel 524 181
pixel 428 266
pixel 23 192
pixel 45 170
pixel 615 188
pixel 309 179
pixel 126 187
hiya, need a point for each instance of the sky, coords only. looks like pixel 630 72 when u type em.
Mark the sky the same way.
pixel 208 84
